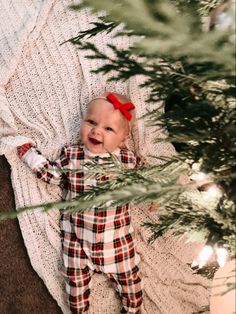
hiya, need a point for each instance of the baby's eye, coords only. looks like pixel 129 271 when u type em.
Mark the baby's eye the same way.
pixel 108 128
pixel 90 121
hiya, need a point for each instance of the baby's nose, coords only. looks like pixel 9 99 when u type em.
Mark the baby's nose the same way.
pixel 96 130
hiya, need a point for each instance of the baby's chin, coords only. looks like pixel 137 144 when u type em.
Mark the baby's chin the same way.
pixel 96 148
pixel 99 149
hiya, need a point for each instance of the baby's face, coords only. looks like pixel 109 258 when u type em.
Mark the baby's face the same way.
pixel 103 128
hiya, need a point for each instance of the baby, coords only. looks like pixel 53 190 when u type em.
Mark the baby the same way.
pixel 100 239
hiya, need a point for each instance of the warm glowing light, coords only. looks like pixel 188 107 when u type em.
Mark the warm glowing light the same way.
pixel 200 176
pixel 194 264
pixel 212 191
pixel 196 166
pixel 221 254
pixel 203 256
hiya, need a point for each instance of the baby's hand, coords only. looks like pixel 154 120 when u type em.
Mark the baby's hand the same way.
pixel 8 144
pixel 23 149
pixel 153 207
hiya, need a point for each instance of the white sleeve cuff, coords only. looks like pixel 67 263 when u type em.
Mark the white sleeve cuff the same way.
pixel 33 159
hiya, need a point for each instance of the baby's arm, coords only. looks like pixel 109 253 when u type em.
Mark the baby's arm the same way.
pixel 49 171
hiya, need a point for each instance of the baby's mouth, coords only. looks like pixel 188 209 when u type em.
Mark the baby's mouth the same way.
pixel 94 141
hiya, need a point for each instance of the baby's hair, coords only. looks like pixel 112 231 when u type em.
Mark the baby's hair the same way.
pixel 123 99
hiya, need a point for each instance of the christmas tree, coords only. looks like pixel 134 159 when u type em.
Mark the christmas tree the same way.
pixel 185 51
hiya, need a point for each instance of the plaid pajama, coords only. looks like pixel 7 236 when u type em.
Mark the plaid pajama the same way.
pixel 128 285
pixel 100 239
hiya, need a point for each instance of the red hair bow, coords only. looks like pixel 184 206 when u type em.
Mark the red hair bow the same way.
pixel 124 108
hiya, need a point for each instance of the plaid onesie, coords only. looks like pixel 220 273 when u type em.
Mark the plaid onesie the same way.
pixel 100 239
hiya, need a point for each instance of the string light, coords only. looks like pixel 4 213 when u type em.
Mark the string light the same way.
pixel 205 182
pixel 221 254
pixel 212 191
pixel 203 256
pixel 196 166
pixel 200 176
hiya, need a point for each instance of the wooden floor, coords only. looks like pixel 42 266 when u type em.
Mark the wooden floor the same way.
pixel 21 290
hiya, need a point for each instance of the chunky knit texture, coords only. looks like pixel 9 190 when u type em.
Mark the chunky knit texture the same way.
pixel 44 88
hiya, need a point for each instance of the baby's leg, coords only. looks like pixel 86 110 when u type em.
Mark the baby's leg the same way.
pixel 75 270
pixel 78 289
pixel 129 286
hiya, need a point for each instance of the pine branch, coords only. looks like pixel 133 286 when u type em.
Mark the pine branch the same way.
pixel 168 32
pixel 197 212
pixel 99 27
pixel 206 6
pixel 193 72
pixel 125 185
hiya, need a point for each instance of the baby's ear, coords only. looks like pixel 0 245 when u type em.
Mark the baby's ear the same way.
pixel 124 141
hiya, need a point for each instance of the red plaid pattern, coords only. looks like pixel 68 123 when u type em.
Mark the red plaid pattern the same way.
pixel 79 284
pixel 23 149
pixel 100 239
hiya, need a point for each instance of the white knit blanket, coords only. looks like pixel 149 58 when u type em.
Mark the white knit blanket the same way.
pixel 44 87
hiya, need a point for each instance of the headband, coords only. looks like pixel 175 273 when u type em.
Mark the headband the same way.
pixel 124 108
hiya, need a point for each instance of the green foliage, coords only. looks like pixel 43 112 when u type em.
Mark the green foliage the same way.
pixel 125 185
pixel 205 6
pixel 169 33
pixel 97 28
